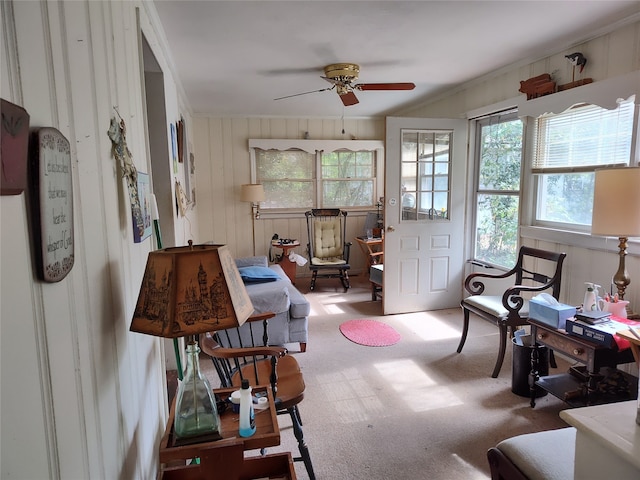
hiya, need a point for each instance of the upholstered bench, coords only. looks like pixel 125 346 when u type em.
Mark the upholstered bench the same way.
pixel 270 290
pixel 375 277
pixel 547 455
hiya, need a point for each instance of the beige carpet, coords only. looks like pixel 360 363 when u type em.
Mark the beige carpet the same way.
pixel 413 410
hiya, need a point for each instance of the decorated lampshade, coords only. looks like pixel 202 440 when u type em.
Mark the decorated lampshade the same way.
pixel 190 290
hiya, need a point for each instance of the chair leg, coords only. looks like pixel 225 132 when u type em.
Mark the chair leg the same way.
pixel 303 347
pixel 314 275
pixel 302 446
pixel 344 278
pixel 465 330
pixel 501 351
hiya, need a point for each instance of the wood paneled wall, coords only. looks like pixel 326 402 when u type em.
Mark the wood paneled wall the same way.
pixel 82 397
pixel 223 164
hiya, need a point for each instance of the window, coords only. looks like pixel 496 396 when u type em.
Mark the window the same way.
pixel 568 148
pixel 287 176
pixel 348 179
pixel 426 157
pixel 304 174
pixel 498 155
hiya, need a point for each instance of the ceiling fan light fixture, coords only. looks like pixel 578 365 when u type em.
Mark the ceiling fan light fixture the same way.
pixel 345 72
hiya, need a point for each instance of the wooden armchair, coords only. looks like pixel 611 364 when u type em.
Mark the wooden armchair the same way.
pixel 235 360
pixel 511 310
pixel 327 249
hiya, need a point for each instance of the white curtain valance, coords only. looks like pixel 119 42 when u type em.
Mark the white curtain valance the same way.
pixel 313 146
pixel 604 93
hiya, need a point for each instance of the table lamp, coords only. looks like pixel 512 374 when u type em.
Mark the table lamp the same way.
pixel 616 213
pixel 186 291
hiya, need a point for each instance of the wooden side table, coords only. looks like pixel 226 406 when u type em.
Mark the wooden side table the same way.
pixel 267 431
pixel 372 248
pixel 565 386
pixel 287 265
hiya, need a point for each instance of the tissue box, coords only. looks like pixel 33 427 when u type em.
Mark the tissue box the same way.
pixel 552 315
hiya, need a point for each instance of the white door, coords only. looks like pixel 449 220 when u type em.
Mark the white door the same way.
pixel 425 171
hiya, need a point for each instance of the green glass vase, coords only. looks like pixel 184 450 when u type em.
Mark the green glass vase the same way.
pixel 196 412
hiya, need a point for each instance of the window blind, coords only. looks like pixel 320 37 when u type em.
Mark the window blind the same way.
pixel 583 137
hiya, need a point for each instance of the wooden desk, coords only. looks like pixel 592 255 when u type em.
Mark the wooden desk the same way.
pixel 267 431
pixel 592 355
pixel 372 248
pixel 287 265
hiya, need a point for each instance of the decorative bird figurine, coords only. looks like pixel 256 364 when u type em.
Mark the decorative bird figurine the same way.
pixel 577 59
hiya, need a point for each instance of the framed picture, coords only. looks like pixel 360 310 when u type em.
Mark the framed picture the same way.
pixel 14 135
pixel 142 219
pixel 190 173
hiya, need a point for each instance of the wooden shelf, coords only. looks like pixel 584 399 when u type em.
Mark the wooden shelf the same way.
pixel 267 431
pixel 558 385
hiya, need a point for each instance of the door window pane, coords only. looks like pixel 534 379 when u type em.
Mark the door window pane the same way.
pixel 425 175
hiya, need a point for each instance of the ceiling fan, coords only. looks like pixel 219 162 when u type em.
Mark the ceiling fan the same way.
pixel 342 75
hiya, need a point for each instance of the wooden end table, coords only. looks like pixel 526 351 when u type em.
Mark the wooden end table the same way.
pixel 567 386
pixel 267 431
pixel 372 249
pixel 287 265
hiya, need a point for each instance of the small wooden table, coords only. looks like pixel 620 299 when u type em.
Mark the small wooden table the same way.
pixel 267 431
pixel 287 265
pixel 592 355
pixel 372 248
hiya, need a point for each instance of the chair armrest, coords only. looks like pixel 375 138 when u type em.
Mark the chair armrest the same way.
pixel 212 348
pixel 513 301
pixel 258 317
pixel 476 287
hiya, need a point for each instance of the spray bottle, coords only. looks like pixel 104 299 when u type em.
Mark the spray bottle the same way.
pixel 590 302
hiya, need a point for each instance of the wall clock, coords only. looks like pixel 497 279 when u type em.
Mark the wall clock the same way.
pixel 53 203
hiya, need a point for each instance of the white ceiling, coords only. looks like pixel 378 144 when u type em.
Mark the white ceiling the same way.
pixel 235 57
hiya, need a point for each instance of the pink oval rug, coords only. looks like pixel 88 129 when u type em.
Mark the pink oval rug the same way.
pixel 371 333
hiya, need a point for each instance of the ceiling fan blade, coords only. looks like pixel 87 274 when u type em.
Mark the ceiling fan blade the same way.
pixel 385 86
pixel 349 99
pixel 305 93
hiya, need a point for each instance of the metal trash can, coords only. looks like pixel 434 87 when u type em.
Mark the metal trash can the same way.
pixel 522 367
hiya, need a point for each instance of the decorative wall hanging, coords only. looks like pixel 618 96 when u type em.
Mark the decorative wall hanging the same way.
pixel 53 201
pixel 181 199
pixel 14 137
pixel 144 194
pixel 181 139
pixel 174 148
pixel 117 134
pixel 191 173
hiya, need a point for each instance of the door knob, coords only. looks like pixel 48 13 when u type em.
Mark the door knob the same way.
pixel 391 228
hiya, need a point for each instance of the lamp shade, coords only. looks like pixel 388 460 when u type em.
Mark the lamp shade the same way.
pixel 190 290
pixel 252 192
pixel 616 202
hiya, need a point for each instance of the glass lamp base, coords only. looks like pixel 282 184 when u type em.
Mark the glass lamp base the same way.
pixel 196 414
